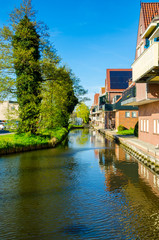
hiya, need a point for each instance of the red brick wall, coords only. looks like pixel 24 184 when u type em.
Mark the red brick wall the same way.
pixel 96 99
pixel 120 119
pixel 139 35
pixel 149 112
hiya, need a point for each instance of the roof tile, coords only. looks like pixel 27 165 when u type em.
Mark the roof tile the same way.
pixel 150 10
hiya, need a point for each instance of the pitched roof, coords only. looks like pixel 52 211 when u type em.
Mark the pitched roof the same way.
pixel 96 99
pixel 150 10
pixel 117 79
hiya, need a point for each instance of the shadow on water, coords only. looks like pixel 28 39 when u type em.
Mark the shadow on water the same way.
pixel 76 229
pixel 87 188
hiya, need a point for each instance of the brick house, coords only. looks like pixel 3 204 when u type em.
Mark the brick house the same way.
pixel 144 91
pixel 109 113
pixel 121 115
pixel 125 115
pixel 117 80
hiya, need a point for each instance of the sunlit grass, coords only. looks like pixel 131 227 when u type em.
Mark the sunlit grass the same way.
pixel 26 139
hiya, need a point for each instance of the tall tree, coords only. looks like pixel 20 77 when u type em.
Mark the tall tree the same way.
pixel 30 71
pixel 27 68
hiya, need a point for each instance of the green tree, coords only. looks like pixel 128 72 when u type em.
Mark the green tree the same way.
pixel 30 72
pixel 27 68
pixel 83 112
pixel 59 99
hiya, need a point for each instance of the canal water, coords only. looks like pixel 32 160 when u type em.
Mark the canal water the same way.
pixel 87 188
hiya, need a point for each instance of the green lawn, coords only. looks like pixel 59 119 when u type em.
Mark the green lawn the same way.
pixel 25 139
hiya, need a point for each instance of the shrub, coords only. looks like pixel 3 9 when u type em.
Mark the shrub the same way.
pixel 121 128
pixel 136 130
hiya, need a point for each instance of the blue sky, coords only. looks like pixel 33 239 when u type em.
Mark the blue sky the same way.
pixel 89 35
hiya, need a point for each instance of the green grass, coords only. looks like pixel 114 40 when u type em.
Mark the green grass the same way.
pixel 27 139
pixel 58 133
pixel 126 132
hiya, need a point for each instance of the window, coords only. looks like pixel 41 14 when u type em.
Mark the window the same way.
pixel 138 52
pixel 141 125
pixel 147 126
pixel 157 126
pixel 134 114
pixel 142 48
pixel 144 125
pixel 127 114
pixel 154 126
pixel 140 29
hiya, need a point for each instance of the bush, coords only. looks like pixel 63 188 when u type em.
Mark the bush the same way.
pixel 121 128
pixel 136 130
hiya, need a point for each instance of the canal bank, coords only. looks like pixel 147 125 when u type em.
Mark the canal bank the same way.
pixel 142 151
pixel 17 143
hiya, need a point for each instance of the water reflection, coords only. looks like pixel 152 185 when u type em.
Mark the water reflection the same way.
pixel 140 186
pixel 82 139
pixel 87 188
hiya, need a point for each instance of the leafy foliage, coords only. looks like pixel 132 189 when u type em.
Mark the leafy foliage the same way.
pixel 59 99
pixel 28 82
pixel 121 128
pixel 126 132
pixel 30 72
pixel 83 112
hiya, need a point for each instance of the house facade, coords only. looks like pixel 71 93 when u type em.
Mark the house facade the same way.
pixel 108 113
pixel 144 91
pixel 117 115
pixel 8 110
pixel 94 112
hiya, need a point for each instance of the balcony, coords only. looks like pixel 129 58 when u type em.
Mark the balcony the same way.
pixel 108 107
pixel 146 67
pixel 141 93
pixel 129 97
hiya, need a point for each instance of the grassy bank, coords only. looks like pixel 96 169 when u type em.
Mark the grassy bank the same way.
pixel 12 143
pixel 71 126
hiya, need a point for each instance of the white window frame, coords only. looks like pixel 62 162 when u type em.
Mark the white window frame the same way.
pixel 147 126
pixel 157 126
pixel 141 128
pixel 144 125
pixel 154 126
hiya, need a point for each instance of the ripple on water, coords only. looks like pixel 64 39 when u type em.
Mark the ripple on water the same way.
pixel 82 191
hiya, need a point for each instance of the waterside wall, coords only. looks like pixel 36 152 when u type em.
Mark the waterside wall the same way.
pixel 150 159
